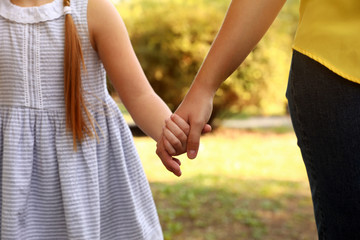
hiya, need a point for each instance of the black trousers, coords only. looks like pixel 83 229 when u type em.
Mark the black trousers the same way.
pixel 325 111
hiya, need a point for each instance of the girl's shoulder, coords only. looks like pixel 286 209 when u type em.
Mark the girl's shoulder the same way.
pixel 102 17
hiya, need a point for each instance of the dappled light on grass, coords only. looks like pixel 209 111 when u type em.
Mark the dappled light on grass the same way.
pixel 243 185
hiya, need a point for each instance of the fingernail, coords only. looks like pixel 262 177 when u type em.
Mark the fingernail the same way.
pixel 192 154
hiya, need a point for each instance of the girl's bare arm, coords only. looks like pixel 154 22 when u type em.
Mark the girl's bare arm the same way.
pixel 110 39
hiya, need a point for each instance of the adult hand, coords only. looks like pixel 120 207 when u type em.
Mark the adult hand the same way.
pixel 196 109
pixel 173 142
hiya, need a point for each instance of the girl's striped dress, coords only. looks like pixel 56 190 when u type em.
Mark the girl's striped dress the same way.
pixel 48 191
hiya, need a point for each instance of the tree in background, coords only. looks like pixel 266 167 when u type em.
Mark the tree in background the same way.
pixel 171 39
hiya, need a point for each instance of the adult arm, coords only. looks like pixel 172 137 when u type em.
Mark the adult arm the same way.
pixel 244 25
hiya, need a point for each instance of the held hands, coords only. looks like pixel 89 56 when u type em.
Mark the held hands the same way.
pixel 196 109
pixel 182 131
pixel 173 143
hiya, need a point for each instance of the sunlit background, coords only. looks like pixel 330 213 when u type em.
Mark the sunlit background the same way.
pixel 245 183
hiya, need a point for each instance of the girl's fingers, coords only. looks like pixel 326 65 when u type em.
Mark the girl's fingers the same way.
pixel 181 123
pixel 185 127
pixel 177 161
pixel 172 144
pixel 171 164
pixel 176 131
pixel 169 148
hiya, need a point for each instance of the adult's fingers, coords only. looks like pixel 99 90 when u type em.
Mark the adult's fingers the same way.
pixel 194 139
pixel 207 128
pixel 181 123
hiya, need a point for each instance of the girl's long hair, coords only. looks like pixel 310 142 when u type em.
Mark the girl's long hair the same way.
pixel 78 118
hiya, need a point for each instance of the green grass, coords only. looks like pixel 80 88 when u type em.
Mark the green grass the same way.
pixel 243 185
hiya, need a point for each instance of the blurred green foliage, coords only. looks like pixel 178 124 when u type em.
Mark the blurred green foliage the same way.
pixel 172 37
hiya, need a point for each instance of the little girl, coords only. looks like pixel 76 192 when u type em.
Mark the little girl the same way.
pixel 69 168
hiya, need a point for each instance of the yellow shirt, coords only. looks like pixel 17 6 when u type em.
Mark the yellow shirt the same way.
pixel 329 32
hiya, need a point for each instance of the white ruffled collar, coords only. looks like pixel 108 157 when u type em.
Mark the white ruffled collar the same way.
pixel 46 12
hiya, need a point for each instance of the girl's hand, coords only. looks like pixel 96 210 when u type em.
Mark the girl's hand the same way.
pixel 172 143
pixel 171 164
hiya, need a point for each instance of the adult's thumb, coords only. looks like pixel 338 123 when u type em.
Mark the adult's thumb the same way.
pixel 194 140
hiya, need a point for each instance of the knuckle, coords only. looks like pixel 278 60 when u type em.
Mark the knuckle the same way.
pixel 169 167
pixel 167 133
pixel 178 145
pixel 181 136
pixel 172 151
pixel 193 144
pixel 174 141
pixel 197 123
pixel 187 128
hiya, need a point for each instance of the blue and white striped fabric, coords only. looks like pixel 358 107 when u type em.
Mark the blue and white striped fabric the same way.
pixel 48 191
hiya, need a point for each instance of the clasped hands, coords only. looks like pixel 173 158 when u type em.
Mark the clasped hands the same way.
pixel 182 131
pixel 174 141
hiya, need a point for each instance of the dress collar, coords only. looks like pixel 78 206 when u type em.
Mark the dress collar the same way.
pixel 46 12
